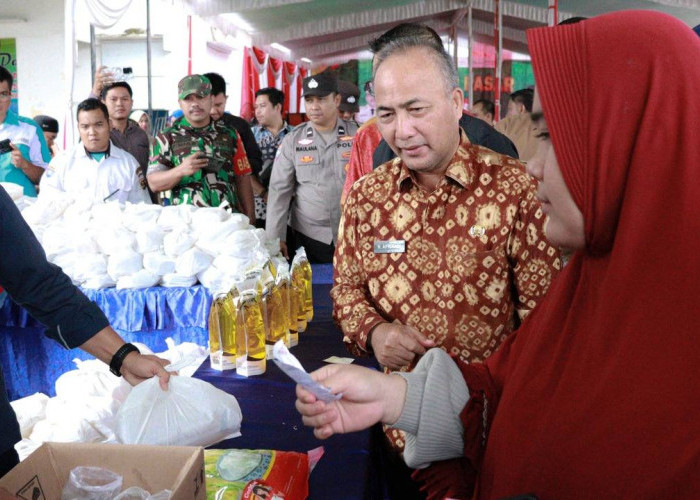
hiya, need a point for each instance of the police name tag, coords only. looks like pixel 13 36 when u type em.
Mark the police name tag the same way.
pixel 393 246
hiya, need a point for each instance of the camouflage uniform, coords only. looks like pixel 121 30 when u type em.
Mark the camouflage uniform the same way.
pixel 212 185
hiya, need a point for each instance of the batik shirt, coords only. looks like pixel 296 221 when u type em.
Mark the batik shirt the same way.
pixel 462 264
pixel 212 185
pixel 268 144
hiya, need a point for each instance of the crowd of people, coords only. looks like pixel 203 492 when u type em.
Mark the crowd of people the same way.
pixel 504 374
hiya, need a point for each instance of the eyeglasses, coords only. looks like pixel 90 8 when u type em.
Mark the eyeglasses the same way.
pixel 5 96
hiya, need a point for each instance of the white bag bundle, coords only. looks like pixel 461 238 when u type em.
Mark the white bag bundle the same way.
pixel 59 239
pixel 99 281
pixel 46 209
pixel 212 238
pixel 208 216
pixel 79 211
pixel 89 265
pixel 177 242
pixel 149 239
pixel 177 279
pixel 240 243
pixel 193 261
pixel 215 279
pixel 107 214
pixel 175 216
pixel 14 190
pixel 124 263
pixel 140 216
pixel 140 279
pixel 29 411
pixel 196 412
pixel 234 266
pixel 158 263
pixel 115 239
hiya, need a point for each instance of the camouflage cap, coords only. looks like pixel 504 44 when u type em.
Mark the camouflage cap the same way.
pixel 193 84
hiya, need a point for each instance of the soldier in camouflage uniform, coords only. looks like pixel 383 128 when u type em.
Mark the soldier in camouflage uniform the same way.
pixel 198 161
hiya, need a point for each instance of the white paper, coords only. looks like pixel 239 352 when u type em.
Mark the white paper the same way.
pixel 290 365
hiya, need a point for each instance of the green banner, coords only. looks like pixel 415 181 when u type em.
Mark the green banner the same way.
pixel 8 60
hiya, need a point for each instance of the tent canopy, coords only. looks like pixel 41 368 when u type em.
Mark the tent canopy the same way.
pixel 323 30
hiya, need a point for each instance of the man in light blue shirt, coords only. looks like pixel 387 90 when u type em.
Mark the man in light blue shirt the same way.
pixel 30 155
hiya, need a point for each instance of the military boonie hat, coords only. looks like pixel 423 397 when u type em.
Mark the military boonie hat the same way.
pixel 320 85
pixel 194 84
pixel 349 96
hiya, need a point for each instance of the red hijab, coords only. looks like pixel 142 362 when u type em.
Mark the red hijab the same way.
pixel 599 391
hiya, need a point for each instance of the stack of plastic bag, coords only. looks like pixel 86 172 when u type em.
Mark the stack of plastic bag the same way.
pixel 101 245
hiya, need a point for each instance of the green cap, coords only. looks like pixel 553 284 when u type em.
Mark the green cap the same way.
pixel 194 84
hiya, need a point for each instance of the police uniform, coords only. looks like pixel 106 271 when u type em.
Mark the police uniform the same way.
pixel 308 176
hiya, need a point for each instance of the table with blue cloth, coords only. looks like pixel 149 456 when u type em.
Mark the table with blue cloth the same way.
pixel 351 466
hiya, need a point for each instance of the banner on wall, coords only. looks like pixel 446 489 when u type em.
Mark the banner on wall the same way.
pixel 8 60
pixel 260 71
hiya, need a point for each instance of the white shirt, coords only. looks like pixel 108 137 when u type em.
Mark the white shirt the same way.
pixel 113 178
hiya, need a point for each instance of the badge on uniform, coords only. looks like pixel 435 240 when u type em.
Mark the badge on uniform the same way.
pixel 306 159
pixel 391 246
pixel 304 142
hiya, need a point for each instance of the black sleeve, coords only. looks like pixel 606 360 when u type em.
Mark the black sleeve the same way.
pixel 251 146
pixel 481 133
pixel 382 154
pixel 40 287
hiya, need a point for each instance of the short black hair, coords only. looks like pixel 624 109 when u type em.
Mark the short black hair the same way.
pixel 90 105
pixel 407 30
pixel 524 97
pixel 115 85
pixel 6 76
pixel 276 96
pixel 487 106
pixel 218 84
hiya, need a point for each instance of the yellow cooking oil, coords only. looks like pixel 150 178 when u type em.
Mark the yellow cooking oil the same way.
pixel 222 333
pixel 250 345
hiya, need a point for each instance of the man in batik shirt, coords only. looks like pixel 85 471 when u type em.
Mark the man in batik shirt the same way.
pixel 198 161
pixel 443 245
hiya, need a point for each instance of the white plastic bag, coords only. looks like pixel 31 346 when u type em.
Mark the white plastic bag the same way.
pixel 190 413
pixel 177 242
pixel 91 483
pixel 29 411
pixel 158 263
pixel 149 239
pixel 139 279
pixel 177 279
pixel 124 263
pixel 193 261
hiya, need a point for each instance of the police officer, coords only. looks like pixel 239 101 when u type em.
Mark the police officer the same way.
pixel 349 100
pixel 309 173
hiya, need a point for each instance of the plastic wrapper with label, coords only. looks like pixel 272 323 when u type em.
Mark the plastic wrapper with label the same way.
pixel 234 474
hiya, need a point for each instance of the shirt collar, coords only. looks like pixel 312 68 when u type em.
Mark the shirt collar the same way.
pixel 11 118
pixel 184 123
pixel 107 153
pixel 459 169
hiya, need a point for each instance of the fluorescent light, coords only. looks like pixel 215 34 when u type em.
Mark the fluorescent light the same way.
pixel 280 47
pixel 306 60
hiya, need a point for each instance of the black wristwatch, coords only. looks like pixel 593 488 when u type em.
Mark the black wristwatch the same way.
pixel 115 365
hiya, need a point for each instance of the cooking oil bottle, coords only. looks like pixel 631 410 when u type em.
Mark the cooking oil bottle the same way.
pixel 302 266
pixel 289 306
pixel 299 288
pixel 275 319
pixel 250 338
pixel 222 333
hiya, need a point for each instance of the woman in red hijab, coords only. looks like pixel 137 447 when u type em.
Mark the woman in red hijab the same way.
pixel 597 395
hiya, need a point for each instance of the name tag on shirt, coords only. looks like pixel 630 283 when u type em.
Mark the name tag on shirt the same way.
pixel 393 246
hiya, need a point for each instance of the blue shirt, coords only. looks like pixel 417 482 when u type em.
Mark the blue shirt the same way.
pixel 28 137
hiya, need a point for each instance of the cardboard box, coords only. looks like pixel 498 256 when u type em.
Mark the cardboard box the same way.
pixel 42 475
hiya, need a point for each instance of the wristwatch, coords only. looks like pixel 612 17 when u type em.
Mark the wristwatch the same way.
pixel 115 365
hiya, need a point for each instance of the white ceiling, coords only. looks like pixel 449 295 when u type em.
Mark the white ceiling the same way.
pixel 324 30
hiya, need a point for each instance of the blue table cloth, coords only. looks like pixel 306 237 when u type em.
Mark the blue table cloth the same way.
pixel 31 362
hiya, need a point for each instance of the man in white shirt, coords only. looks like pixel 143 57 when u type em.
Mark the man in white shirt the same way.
pixel 95 168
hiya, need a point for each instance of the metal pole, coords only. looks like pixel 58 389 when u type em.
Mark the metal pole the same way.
pixel 553 12
pixel 189 45
pixel 148 55
pixel 498 43
pixel 455 36
pixel 470 68
pixel 93 55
